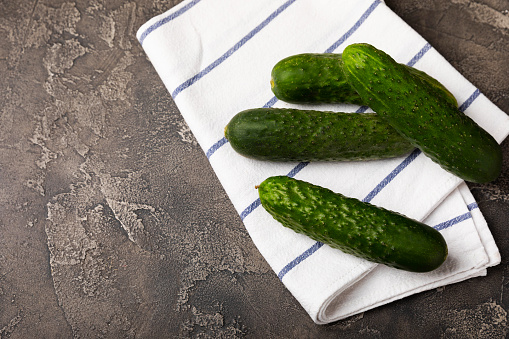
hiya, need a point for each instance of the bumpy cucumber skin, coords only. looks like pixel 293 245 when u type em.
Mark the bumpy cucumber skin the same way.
pixel 352 226
pixel 441 90
pixel 283 134
pixel 416 110
pixel 312 78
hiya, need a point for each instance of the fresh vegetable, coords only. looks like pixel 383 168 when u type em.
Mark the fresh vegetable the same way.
pixel 281 134
pixel 418 111
pixel 353 226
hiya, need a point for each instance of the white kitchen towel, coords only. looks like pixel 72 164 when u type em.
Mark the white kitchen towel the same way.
pixel 215 58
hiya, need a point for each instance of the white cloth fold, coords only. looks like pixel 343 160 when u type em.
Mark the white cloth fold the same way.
pixel 215 58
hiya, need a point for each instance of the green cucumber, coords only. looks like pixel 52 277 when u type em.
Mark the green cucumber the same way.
pixel 353 226
pixel 319 78
pixel 312 78
pixel 417 110
pixel 284 134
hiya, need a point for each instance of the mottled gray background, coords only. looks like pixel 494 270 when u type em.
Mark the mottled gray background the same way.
pixel 113 225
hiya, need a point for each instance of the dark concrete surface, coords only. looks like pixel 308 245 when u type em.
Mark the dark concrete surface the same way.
pixel 113 225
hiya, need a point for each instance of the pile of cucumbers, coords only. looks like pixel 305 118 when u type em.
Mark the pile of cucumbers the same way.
pixel 412 110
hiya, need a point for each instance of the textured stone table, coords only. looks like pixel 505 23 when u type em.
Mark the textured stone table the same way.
pixel 113 224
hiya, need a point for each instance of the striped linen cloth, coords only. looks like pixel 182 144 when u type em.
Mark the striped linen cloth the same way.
pixel 215 58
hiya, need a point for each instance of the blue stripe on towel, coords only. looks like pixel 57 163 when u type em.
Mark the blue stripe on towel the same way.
pixel 419 55
pixel 352 30
pixel 472 206
pixel 297 169
pixel 271 102
pixel 250 208
pixel 216 146
pixel 392 175
pixel 362 109
pixel 299 259
pixel 453 221
pixel 166 19
pixel 470 100
pixel 232 50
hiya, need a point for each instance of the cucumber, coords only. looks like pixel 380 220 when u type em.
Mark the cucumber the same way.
pixel 318 78
pixel 312 78
pixel 284 134
pixel 353 226
pixel 417 110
